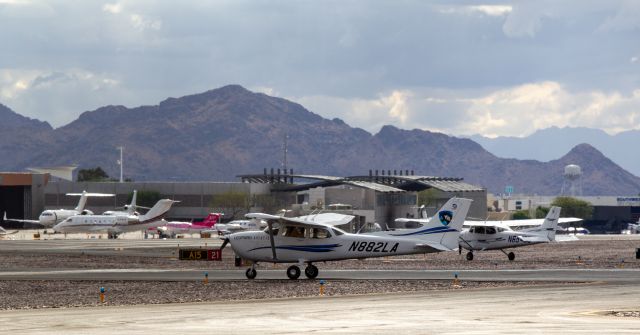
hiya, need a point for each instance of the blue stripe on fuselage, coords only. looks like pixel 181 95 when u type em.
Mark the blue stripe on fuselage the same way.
pixel 307 248
pixel 435 230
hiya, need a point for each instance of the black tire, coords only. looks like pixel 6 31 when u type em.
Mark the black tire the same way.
pixel 251 273
pixel 469 256
pixel 311 271
pixel 511 256
pixel 293 272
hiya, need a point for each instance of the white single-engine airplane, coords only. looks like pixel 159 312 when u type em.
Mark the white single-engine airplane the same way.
pixel 492 236
pixel 51 217
pixel 116 224
pixel 291 240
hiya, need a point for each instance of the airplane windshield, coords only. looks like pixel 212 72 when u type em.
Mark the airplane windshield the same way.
pixel 337 231
pixel 491 230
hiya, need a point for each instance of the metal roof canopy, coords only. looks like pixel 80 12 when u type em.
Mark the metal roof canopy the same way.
pixel 384 184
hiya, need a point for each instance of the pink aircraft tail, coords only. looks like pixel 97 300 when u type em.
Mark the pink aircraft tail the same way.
pixel 209 221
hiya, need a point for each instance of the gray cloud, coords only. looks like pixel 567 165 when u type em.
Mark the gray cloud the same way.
pixel 409 63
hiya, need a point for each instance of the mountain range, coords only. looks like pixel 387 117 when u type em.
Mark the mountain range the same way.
pixel 219 134
pixel 551 143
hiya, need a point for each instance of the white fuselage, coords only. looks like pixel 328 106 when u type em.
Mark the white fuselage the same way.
pixel 104 223
pixel 51 217
pixel 256 246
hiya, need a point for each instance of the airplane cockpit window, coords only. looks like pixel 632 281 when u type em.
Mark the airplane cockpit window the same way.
pixel 319 233
pixel 500 229
pixel 479 230
pixel 293 231
pixel 472 229
pixel 490 230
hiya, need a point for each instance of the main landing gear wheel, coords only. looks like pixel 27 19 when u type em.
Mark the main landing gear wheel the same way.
pixel 251 273
pixel 511 256
pixel 469 256
pixel 311 271
pixel 293 272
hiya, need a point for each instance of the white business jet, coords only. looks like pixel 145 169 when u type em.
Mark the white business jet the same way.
pixel 51 217
pixel 130 209
pixel 116 224
pixel 291 240
pixel 494 236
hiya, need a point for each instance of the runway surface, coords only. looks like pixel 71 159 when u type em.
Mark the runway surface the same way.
pixel 525 310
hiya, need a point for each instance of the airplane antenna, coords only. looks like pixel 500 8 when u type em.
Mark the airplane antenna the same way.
pixel 284 153
pixel 120 162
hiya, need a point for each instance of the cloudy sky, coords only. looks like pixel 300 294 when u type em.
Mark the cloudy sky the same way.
pixel 467 67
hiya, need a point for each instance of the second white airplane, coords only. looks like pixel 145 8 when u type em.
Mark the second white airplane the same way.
pixel 491 236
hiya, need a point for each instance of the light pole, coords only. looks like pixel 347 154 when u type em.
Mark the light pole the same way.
pixel 120 163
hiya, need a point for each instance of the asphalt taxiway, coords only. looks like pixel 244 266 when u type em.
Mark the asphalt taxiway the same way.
pixel 560 309
pixel 542 275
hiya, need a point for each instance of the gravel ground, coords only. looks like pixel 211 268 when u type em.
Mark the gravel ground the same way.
pixel 65 294
pixel 38 294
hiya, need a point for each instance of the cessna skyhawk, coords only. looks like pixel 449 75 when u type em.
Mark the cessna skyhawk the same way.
pixel 292 240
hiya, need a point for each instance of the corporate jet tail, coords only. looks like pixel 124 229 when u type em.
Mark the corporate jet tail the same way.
pixel 131 210
pixel 83 198
pixel 158 211
pixel 548 227
pixel 445 226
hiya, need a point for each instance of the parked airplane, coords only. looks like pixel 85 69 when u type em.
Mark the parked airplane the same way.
pixel 51 217
pixel 116 224
pixel 173 228
pixel 291 240
pixel 130 209
pixel 491 236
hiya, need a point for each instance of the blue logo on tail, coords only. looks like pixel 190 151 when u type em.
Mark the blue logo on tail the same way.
pixel 445 217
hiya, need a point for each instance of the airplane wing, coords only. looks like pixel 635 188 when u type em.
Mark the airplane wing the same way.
pixel 331 219
pixel 19 220
pixel 569 220
pixel 91 194
pixel 290 221
pixel 537 238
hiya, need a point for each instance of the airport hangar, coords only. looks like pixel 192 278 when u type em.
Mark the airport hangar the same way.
pixel 372 198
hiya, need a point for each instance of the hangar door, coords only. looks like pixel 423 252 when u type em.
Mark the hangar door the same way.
pixel 16 202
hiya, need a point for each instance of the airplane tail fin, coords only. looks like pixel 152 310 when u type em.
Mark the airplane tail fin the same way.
pixel 445 226
pixel 211 220
pixel 133 205
pixel 550 224
pixel 82 202
pixel 158 211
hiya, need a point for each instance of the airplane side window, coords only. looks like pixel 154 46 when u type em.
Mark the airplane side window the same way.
pixel 491 230
pixel 479 230
pixel 472 229
pixel 320 233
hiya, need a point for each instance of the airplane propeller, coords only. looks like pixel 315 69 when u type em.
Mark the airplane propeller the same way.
pixel 273 244
pixel 224 244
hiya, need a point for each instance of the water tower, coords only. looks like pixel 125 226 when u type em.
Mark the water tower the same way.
pixel 572 184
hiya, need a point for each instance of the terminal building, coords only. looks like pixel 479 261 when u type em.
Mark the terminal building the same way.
pixel 371 198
